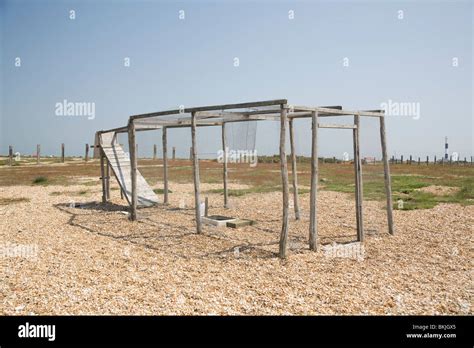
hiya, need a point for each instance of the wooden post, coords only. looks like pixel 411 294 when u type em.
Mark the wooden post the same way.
pixel 195 159
pixel 165 164
pixel 284 180
pixel 313 200
pixel 419 161
pixel 133 169
pixel 206 207
pixel 401 159
pixel 224 148
pixel 174 153
pixel 86 157
pixel 38 153
pixel 10 155
pixel 435 159
pixel 427 160
pixel 358 179
pixel 102 176
pixel 386 168
pixel 410 159
pixel 62 152
pixel 293 171
pixel 154 150
pixel 107 179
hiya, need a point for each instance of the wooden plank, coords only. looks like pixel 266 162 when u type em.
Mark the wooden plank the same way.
pixel 387 179
pixel 294 171
pixel 165 165
pixel 336 126
pixel 284 180
pixel 62 152
pixel 133 170
pixel 211 107
pixel 313 219
pixel 358 179
pixel 121 168
pixel 224 148
pixel 338 111
pixel 195 159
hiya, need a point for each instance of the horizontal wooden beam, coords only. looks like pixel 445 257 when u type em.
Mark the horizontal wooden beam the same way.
pixel 212 107
pixel 337 126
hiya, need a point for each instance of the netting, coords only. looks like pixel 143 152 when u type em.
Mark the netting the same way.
pixel 241 135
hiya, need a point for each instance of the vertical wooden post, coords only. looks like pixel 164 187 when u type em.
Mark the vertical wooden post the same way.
pixel 86 157
pixel 410 159
pixel 174 153
pixel 358 179
pixel 206 207
pixel 284 180
pixel 293 171
pixel 133 169
pixel 427 160
pixel 195 159
pixel 154 150
pixel 165 164
pixel 401 159
pixel 38 153
pixel 313 200
pixel 62 152
pixel 10 155
pixel 386 168
pixel 224 148
pixel 419 161
pixel 102 176
pixel 107 179
pixel 435 159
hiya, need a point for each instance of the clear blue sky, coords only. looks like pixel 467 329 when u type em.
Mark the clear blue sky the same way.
pixel 191 62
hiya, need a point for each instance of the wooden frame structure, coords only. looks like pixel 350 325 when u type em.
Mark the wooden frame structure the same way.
pixel 276 110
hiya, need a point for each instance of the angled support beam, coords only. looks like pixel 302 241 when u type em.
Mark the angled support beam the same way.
pixel 313 200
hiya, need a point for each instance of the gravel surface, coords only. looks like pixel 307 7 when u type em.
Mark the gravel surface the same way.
pixel 60 257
